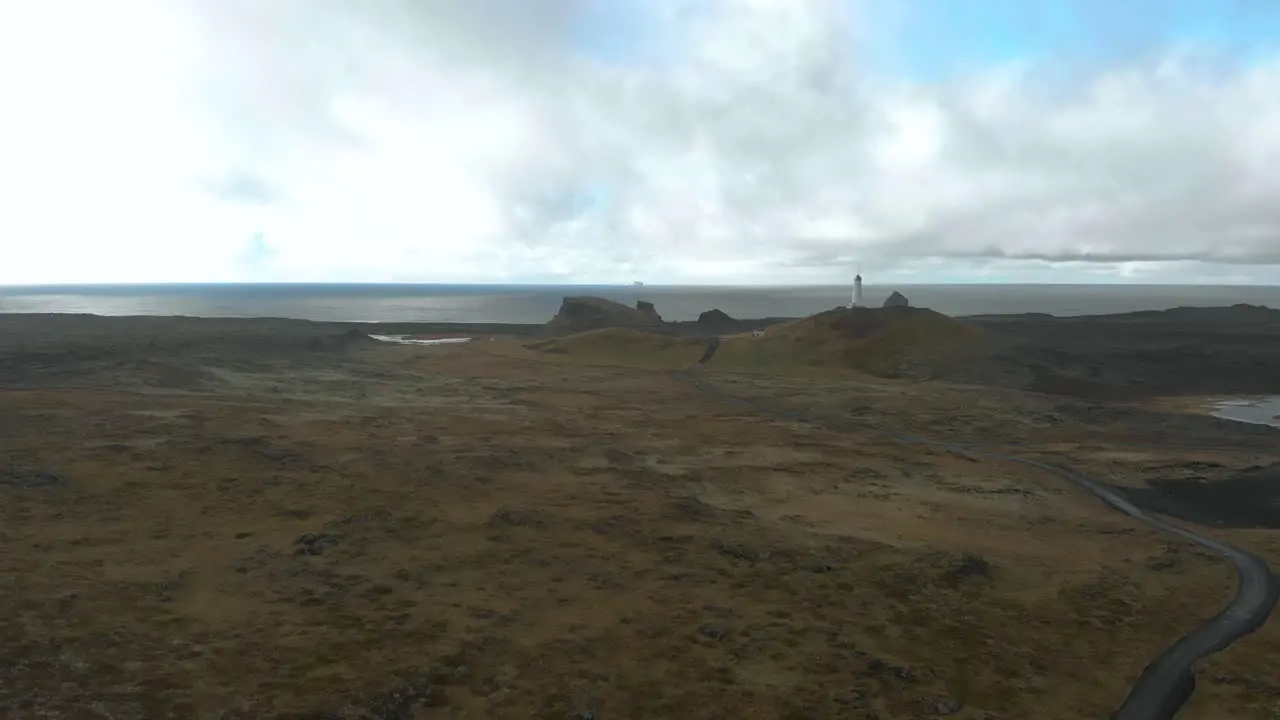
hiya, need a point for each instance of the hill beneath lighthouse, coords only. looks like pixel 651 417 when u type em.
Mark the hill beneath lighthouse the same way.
pixel 890 342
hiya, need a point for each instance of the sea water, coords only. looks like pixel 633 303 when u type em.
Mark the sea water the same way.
pixel 538 303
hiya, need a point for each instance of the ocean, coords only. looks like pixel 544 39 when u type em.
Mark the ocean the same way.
pixel 538 303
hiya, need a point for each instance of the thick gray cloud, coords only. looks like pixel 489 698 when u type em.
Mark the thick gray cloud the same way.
pixel 747 140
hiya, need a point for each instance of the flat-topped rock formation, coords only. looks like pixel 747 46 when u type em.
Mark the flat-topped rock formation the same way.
pixel 592 313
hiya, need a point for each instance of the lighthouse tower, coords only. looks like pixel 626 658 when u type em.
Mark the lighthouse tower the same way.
pixel 857 292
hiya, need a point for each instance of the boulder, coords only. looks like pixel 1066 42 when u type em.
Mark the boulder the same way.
pixel 589 313
pixel 897 299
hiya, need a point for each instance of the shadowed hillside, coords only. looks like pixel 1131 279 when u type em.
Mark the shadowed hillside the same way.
pixel 1183 351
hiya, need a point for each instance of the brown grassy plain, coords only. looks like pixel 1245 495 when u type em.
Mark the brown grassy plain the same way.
pixel 490 530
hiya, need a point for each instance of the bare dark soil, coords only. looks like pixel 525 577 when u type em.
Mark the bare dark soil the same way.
pixel 1247 500
pixel 1186 351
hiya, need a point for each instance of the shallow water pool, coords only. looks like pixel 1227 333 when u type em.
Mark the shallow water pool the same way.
pixel 1259 411
pixel 406 340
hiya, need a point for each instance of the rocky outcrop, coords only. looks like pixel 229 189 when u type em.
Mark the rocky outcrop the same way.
pixel 715 319
pixel 590 313
pixel 897 299
pixel 647 308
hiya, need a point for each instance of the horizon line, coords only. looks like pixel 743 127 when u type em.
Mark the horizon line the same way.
pixel 621 285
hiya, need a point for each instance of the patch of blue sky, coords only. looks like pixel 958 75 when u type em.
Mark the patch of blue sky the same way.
pixel 574 201
pixel 596 197
pixel 616 31
pixel 1247 29
pixel 933 40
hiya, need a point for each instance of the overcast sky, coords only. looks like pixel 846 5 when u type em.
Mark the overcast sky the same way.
pixel 669 141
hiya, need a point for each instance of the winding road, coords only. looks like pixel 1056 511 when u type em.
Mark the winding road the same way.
pixel 1169 680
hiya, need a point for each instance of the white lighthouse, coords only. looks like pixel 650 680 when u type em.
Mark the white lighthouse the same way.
pixel 857 292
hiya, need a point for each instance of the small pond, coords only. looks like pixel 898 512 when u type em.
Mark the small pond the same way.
pixel 1259 411
pixel 408 340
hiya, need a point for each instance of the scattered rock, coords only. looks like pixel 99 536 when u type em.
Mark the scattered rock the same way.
pixel 962 456
pixel 280 455
pixel 316 543
pixel 250 441
pixel 404 702
pixel 618 457
pixel 856 699
pixel 971 565
pixel 1250 684
pixel 1170 557
pixel 518 518
pixel 66 602
pixel 612 525
pixel 738 552
pixel 942 706
pixel 367 517
pixel 32 478
pixel 1192 465
pixel 878 666
pixel 713 631
pixel 691 508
